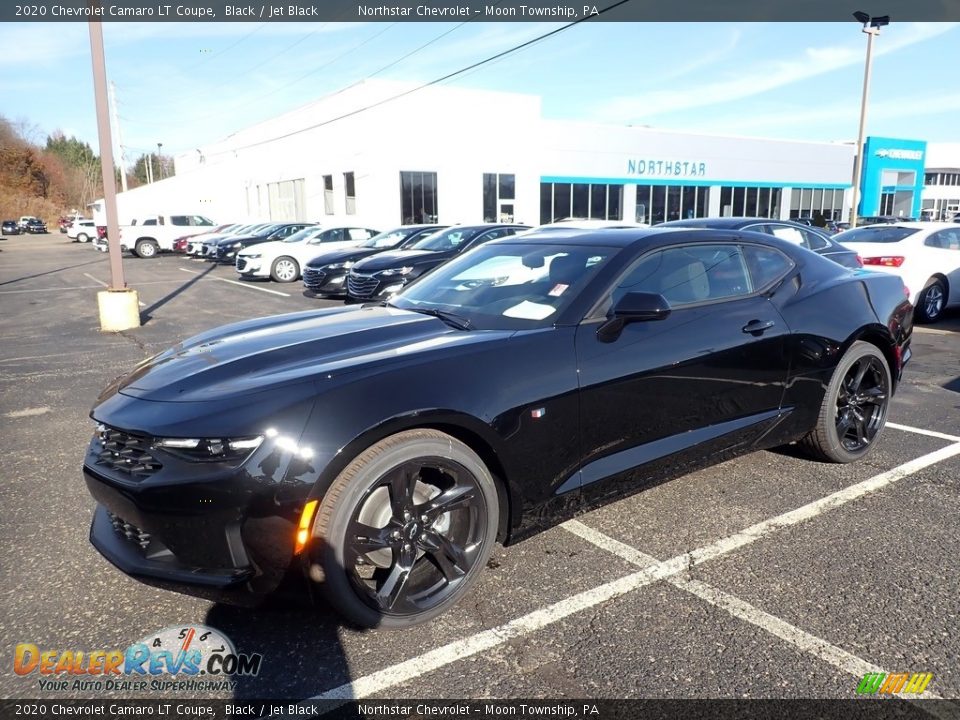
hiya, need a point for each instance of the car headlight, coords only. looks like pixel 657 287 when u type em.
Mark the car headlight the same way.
pixel 252 257
pixel 210 449
pixel 339 266
pixel 396 271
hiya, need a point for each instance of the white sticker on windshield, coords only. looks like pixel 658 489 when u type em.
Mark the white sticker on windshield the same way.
pixel 558 290
pixel 529 311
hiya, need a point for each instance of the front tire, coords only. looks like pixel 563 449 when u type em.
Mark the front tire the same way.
pixel 404 531
pixel 931 301
pixel 284 269
pixel 854 409
pixel 147 249
pixel 83 237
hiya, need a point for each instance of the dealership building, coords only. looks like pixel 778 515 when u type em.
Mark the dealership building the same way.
pixel 457 155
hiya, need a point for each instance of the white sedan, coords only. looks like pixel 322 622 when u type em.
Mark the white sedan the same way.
pixel 925 254
pixel 282 260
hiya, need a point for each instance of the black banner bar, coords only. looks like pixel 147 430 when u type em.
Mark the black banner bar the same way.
pixel 242 709
pixel 477 10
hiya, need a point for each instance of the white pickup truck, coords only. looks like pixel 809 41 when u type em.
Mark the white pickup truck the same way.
pixel 147 236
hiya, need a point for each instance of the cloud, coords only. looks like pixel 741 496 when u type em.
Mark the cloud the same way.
pixel 756 78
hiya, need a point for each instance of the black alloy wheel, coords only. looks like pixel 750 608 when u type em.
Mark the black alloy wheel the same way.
pixel 862 403
pixel 406 529
pixel 854 409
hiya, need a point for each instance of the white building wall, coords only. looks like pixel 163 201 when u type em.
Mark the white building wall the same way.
pixel 461 134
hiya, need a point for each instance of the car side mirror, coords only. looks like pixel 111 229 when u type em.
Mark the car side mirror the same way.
pixel 633 307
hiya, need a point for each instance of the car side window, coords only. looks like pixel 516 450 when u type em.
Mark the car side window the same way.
pixel 150 221
pixel 359 233
pixel 766 265
pixel 179 220
pixel 945 240
pixel 335 235
pixel 813 241
pixel 690 274
pixel 487 236
pixel 790 234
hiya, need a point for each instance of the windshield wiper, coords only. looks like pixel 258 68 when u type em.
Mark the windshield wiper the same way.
pixel 451 319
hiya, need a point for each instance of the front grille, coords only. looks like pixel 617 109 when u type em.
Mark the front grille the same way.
pixel 361 285
pixel 125 453
pixel 130 533
pixel 241 263
pixel 313 278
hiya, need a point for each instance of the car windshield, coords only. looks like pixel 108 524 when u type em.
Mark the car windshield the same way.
pixel 506 286
pixel 875 234
pixel 445 239
pixel 305 234
pixel 389 239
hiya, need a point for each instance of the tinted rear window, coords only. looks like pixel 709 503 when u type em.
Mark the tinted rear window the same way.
pixel 876 234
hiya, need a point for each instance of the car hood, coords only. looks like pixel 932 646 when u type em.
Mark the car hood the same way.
pixel 339 256
pixel 266 353
pixel 269 246
pixel 400 258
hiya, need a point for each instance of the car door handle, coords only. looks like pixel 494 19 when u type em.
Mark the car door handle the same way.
pixel 756 327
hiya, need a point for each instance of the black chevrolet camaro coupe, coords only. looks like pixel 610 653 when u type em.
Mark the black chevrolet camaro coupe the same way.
pixel 377 452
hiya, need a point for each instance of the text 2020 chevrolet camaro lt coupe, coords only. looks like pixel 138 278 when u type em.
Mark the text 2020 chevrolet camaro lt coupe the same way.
pixel 378 452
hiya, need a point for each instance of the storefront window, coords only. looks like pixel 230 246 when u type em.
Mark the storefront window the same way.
pixel 418 197
pixel 580 200
pixel 660 203
pixel 497 189
pixel 814 202
pixel 750 202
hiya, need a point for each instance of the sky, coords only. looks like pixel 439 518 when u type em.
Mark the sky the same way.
pixel 187 85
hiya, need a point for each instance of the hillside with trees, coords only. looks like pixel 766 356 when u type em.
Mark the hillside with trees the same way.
pixel 50 180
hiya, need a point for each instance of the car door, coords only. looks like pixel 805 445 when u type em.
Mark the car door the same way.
pixel 943 251
pixel 707 379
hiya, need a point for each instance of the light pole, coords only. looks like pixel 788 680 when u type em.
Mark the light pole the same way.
pixel 871 26
pixel 118 304
pixel 160 159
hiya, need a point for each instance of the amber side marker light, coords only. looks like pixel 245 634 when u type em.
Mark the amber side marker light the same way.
pixel 303 529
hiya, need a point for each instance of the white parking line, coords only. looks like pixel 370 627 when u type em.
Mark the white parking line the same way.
pixel 921 431
pixel 99 282
pixel 241 284
pixel 810 644
pixel 538 619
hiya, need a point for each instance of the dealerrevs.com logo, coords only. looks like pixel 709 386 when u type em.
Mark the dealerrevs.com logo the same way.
pixel 188 657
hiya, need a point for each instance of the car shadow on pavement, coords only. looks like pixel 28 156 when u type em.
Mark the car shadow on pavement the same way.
pixel 300 645
pixel 146 313
pixel 49 272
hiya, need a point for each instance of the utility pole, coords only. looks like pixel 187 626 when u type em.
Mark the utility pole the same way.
pixel 871 26
pixel 119 305
pixel 116 124
pixel 149 163
pixel 160 159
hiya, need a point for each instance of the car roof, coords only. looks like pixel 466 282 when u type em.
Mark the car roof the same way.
pixel 731 223
pixel 642 239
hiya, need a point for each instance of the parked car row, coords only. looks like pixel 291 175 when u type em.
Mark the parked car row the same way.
pixel 26 224
pixel 360 264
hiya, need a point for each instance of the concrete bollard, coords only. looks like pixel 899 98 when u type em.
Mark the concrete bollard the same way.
pixel 119 310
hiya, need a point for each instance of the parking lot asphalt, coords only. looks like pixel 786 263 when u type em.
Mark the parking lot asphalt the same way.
pixel 767 576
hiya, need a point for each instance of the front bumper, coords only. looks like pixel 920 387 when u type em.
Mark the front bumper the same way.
pixel 249 267
pixel 222 533
pixel 319 283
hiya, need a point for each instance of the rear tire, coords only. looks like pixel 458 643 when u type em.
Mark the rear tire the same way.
pixel 146 249
pixel 854 409
pixel 405 530
pixel 284 269
pixel 931 301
